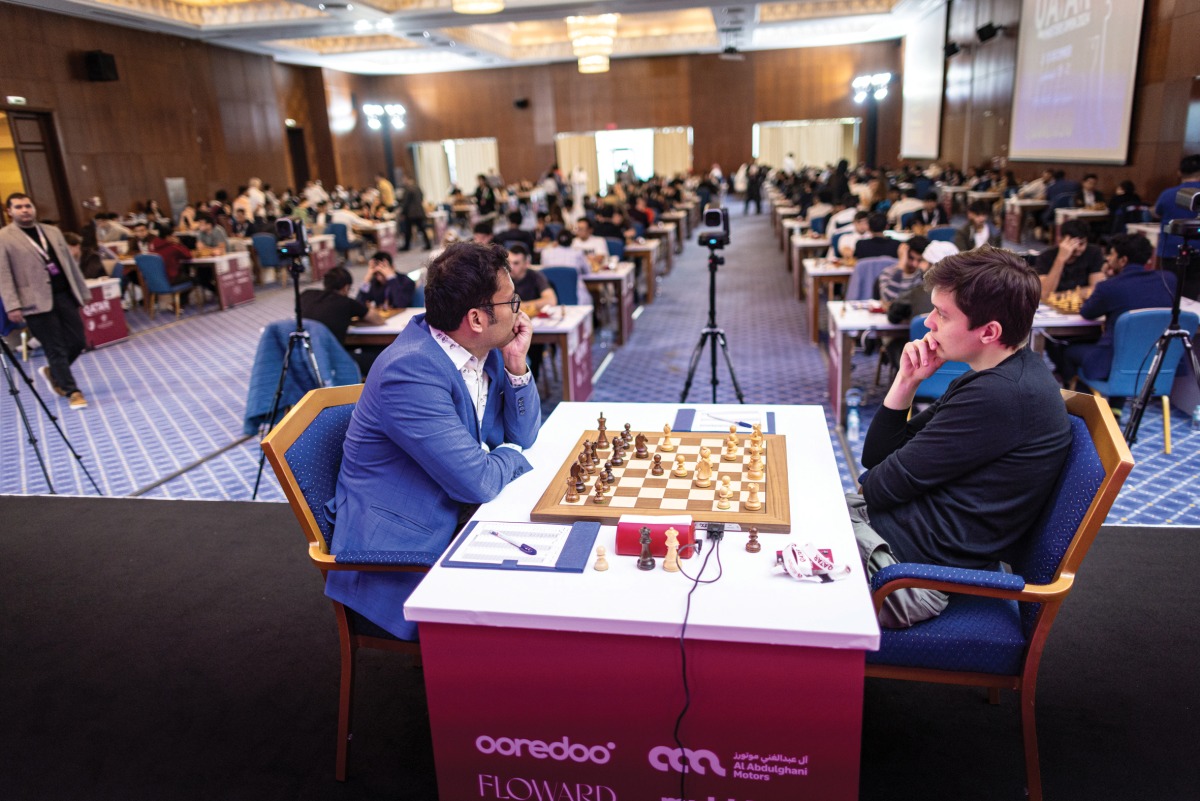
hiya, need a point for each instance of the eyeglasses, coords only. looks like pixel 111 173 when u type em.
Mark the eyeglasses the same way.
pixel 514 304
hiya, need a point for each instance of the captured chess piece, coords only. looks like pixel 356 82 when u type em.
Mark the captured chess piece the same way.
pixel 752 502
pixel 601 559
pixel 645 561
pixel 656 469
pixel 753 545
pixel 640 451
pixel 723 494
pixel 572 488
pixel 667 445
pixel 671 561
pixel 703 477
pixel 680 470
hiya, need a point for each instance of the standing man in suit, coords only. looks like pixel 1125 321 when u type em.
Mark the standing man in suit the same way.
pixel 43 287
pixel 441 426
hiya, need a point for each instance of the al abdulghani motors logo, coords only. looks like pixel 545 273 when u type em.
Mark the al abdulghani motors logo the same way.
pixel 663 759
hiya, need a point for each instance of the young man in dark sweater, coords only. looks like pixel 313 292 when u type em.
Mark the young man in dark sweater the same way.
pixel 961 483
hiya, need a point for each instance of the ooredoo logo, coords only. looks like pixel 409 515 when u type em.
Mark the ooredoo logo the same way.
pixel 561 750
pixel 663 758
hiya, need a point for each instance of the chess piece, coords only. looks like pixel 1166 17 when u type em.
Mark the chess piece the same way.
pixel 640 451
pixel 627 436
pixel 680 470
pixel 753 545
pixel 601 559
pixel 732 435
pixel 752 502
pixel 572 489
pixel 757 436
pixel 656 469
pixel 667 446
pixel 599 497
pixel 706 455
pixel 703 475
pixel 577 479
pixel 671 561
pixel 590 464
pixel 618 454
pixel 731 454
pixel 754 470
pixel 645 561
pixel 601 445
pixel 723 494
pixel 609 478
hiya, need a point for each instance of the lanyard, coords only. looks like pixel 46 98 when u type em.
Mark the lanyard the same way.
pixel 40 245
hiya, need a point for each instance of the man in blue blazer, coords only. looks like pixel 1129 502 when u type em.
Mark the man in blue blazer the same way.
pixel 444 416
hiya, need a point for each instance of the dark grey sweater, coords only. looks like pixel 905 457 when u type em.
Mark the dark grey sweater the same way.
pixel 964 480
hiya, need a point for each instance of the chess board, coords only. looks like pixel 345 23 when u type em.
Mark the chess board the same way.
pixel 636 491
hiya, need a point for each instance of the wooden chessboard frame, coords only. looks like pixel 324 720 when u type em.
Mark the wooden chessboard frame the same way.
pixel 775 516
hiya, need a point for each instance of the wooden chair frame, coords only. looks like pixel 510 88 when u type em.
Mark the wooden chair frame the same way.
pixel 1118 462
pixel 276 445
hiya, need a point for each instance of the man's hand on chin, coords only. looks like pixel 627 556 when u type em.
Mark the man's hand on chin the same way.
pixel 517 349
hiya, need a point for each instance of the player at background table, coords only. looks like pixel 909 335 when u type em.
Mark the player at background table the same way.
pixel 441 426
pixel 961 483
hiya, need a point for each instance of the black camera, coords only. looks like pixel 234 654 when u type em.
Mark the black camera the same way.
pixel 1190 199
pixel 293 242
pixel 716 228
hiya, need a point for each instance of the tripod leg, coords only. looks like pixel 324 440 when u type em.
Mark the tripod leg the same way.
pixel 33 441
pixel 692 365
pixel 1143 398
pixel 262 457
pixel 729 363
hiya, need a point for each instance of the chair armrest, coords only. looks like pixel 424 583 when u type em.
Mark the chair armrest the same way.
pixel 362 561
pixel 964 581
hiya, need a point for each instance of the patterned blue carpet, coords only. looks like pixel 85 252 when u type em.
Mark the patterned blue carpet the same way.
pixel 170 399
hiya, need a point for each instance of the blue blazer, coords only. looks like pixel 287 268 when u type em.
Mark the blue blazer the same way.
pixel 413 457
pixel 1134 287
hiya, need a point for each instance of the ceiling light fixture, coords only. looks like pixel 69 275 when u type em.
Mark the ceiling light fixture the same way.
pixel 376 112
pixel 592 40
pixel 875 86
pixel 477 6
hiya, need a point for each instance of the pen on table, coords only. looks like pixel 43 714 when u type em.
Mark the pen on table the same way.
pixel 735 422
pixel 524 548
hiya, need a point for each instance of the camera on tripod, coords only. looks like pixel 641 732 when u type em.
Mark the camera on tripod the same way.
pixel 1190 200
pixel 293 243
pixel 716 228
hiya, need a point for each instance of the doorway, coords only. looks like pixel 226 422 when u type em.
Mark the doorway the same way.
pixel 30 163
pixel 298 150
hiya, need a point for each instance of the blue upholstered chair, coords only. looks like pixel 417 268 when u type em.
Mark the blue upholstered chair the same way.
pixel 305 451
pixel 933 387
pixel 565 281
pixel 994 630
pixel 833 241
pixel 154 280
pixel 341 239
pixel 819 224
pixel 906 220
pixel 266 248
pixel 1134 338
pixel 616 246
pixel 418 297
pixel 941 233
pixel 866 273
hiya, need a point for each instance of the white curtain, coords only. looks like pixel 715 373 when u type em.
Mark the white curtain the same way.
pixel 433 171
pixel 672 151
pixel 578 150
pixel 813 143
pixel 474 157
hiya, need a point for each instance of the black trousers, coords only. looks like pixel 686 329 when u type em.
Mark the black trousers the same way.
pixel 409 224
pixel 60 331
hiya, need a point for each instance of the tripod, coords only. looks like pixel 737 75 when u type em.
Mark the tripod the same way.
pixel 8 361
pixel 298 337
pixel 711 335
pixel 1172 333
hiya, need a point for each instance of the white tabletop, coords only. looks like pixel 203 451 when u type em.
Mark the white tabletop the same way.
pixel 858 317
pixel 623 270
pixel 825 267
pixel 806 241
pixel 393 325
pixel 1148 230
pixel 750 603
pixel 561 319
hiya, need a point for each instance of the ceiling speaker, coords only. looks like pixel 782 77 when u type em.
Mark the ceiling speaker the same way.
pixel 100 66
pixel 521 102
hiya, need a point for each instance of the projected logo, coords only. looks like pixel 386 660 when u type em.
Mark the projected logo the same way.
pixel 663 758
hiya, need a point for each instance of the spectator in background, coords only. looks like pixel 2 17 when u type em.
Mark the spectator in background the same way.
pixel 383 287
pixel 413 214
pixel 904 205
pixel 210 238
pixel 83 249
pixel 334 307
pixel 904 274
pixel 1088 197
pixel 172 251
pixel 979 230
pixel 109 230
pixel 562 254
pixel 482 232
pixel 1071 264
pixel 587 241
pixel 931 212
pixel 1167 209
pixel 1120 205
pixel 514 235
pixel 875 243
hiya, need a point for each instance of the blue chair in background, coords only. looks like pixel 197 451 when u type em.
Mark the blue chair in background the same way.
pixel 906 220
pixel 1134 337
pixel 418 298
pixel 341 239
pixel 153 273
pixel 833 241
pixel 818 224
pixel 933 387
pixel 866 273
pixel 616 247
pixel 266 247
pixel 565 281
pixel 995 628
pixel 941 233
pixel 554 229
pixel 305 451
